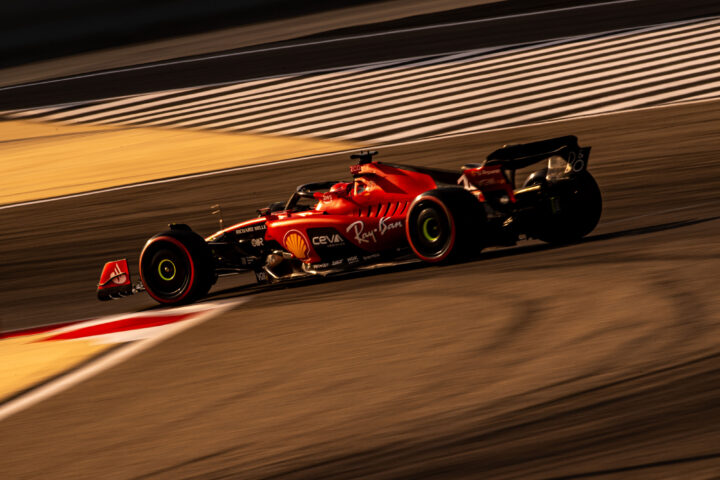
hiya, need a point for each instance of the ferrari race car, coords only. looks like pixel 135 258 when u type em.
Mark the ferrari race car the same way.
pixel 386 212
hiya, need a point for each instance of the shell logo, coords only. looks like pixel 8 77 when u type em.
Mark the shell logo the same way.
pixel 296 244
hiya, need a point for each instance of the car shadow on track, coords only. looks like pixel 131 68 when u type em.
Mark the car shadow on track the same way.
pixel 251 289
pixel 517 250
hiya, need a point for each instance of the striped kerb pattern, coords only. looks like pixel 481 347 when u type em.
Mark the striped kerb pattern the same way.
pixel 442 94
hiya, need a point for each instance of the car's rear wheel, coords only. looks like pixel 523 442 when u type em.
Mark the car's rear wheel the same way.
pixel 176 267
pixel 445 225
pixel 573 210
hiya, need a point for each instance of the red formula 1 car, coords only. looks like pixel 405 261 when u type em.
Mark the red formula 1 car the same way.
pixel 386 212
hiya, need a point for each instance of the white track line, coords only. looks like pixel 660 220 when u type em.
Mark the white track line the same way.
pixel 286 91
pixel 312 119
pixel 713 82
pixel 452 110
pixel 498 104
pixel 138 101
pixel 518 56
pixel 136 98
pixel 561 43
pixel 105 362
pixel 307 108
pixel 112 103
pixel 271 91
pixel 217 84
pixel 319 42
pixel 299 105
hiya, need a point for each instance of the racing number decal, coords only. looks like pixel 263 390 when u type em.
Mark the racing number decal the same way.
pixel 579 162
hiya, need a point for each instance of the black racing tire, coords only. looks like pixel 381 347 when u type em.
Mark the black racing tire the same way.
pixel 177 267
pixel 573 211
pixel 445 225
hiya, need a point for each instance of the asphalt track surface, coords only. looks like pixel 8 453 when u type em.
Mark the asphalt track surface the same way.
pixel 596 360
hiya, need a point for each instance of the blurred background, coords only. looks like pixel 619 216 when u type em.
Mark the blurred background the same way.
pixel 41 29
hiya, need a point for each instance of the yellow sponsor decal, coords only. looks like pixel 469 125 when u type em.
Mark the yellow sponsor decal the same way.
pixel 296 244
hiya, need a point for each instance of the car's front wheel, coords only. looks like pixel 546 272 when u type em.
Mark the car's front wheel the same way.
pixel 176 267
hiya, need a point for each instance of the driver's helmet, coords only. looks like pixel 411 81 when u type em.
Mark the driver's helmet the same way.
pixel 340 187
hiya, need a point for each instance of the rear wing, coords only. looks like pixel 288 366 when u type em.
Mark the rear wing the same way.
pixel 515 157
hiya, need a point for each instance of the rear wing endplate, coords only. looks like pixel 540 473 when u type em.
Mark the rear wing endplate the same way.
pixel 515 157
